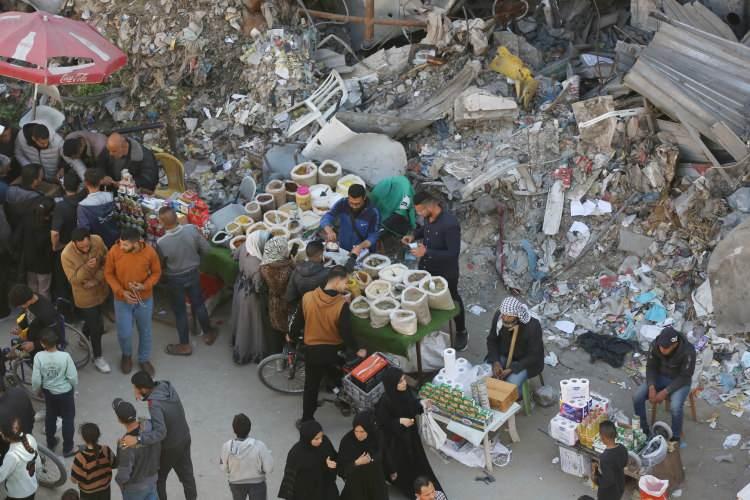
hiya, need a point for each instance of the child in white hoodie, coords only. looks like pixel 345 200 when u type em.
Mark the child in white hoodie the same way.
pixel 18 470
pixel 246 461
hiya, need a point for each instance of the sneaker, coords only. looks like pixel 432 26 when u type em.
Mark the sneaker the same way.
pixel 462 341
pixel 126 364
pixel 102 365
pixel 147 367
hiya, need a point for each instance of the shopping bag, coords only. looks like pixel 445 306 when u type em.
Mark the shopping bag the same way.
pixel 432 434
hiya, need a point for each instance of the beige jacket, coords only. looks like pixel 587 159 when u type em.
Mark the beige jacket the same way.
pixel 78 273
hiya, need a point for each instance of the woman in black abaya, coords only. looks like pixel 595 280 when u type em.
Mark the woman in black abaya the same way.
pixel 396 415
pixel 310 472
pixel 360 461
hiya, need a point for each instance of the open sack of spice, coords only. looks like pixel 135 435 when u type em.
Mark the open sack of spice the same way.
pixel 438 293
pixel 404 322
pixel 380 311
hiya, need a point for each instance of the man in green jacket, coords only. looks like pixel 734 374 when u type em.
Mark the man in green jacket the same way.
pixel 394 198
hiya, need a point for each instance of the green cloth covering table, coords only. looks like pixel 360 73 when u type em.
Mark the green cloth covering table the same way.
pixel 386 339
pixel 220 263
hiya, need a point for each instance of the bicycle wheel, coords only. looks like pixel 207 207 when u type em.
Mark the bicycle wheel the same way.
pixel 52 473
pixel 77 345
pixel 278 375
pixel 22 370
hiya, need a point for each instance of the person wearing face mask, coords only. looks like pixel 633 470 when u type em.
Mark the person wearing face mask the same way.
pixel 360 461
pixel 310 472
pixel 514 318
pixel 396 415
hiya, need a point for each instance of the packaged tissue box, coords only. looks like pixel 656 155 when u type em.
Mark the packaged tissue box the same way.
pixel 576 409
pixel 563 430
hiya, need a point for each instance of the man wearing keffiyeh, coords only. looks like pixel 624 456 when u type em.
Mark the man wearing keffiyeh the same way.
pixel 527 359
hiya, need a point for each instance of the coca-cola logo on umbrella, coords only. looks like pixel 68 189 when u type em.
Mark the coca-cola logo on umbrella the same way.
pixel 74 78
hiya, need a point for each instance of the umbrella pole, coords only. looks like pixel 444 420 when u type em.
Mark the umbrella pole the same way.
pixel 33 105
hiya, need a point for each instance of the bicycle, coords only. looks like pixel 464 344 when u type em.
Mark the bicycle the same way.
pixel 53 473
pixel 72 341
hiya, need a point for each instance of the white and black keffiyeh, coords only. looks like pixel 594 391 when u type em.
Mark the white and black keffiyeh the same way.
pixel 514 307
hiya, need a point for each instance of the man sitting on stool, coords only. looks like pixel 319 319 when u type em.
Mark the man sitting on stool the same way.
pixel 669 370
pixel 527 359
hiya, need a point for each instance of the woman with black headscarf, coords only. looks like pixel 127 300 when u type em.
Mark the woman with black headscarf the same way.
pixel 360 461
pixel 397 414
pixel 310 472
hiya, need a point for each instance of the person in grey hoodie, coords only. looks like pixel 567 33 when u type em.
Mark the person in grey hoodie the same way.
pixel 138 466
pixel 246 462
pixel 170 428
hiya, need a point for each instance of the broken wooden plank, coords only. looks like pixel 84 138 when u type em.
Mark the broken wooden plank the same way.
pixel 729 141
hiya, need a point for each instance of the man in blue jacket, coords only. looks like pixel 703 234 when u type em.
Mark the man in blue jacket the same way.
pixel 96 211
pixel 358 221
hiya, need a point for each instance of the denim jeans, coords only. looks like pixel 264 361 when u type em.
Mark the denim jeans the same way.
pixel 124 315
pixel 149 494
pixel 676 403
pixel 178 285
pixel 515 378
pixel 63 406
pixel 93 327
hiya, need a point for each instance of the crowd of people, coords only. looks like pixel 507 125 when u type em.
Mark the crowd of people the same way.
pixel 65 253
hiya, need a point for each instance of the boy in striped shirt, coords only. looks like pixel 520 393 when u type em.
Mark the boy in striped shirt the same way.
pixel 92 466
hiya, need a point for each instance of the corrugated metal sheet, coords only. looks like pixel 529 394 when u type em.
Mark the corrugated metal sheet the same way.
pixel 698 78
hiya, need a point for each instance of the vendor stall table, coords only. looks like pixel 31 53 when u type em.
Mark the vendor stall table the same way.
pixel 386 339
pixel 592 454
pixel 476 436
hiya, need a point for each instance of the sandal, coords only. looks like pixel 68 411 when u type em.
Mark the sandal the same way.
pixel 173 350
pixel 210 337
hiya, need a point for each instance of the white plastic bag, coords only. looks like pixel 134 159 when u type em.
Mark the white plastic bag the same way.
pixel 393 273
pixel 413 278
pixel 404 322
pixel 414 299
pixel 438 294
pixel 655 451
pixel 653 486
pixel 432 434
pixel 374 262
pixel 380 311
pixel 360 307
pixel 378 289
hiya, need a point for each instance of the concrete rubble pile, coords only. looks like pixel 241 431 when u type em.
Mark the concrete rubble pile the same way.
pixel 597 162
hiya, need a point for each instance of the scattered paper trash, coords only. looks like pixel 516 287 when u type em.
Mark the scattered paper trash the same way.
pixel 477 310
pixel 731 441
pixel 565 326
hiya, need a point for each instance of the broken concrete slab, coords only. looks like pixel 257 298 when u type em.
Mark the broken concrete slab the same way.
pixel 634 243
pixel 475 105
pixel 380 123
pixel 371 156
pixel 729 274
pixel 599 135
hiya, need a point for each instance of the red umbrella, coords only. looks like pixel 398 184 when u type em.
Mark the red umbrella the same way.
pixel 43 48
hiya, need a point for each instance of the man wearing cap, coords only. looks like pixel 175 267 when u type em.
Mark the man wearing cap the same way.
pixel 669 371
pixel 138 467
pixel 170 428
pixel 514 319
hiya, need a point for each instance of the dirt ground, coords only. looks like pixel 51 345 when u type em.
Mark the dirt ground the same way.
pixel 213 389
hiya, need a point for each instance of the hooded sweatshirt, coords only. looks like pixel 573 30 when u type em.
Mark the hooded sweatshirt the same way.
pixel 19 482
pixel 678 366
pixel 307 276
pixel 246 461
pixel 27 152
pixel 170 428
pixel 96 213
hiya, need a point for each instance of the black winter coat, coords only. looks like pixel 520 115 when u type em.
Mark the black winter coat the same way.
pixel 529 351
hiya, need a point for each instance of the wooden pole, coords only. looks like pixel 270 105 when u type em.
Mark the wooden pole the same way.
pixel 369 17
pixel 406 23
pixel 512 347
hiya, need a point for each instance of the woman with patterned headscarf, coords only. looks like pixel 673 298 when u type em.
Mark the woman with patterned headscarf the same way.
pixel 249 312
pixel 276 269
pixel 527 361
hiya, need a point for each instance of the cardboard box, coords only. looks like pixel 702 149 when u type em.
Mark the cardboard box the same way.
pixel 502 394
pixel 574 463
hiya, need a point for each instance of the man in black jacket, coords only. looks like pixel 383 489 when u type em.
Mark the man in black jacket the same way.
pixel 170 428
pixel 438 252
pixel 308 275
pixel 528 352
pixel 669 371
pixel 128 154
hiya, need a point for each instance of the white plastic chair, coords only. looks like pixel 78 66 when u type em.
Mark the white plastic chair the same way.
pixel 322 104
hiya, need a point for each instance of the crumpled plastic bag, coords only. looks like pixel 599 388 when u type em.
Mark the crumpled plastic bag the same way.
pixel 546 396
